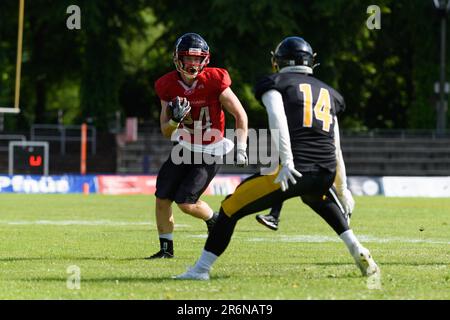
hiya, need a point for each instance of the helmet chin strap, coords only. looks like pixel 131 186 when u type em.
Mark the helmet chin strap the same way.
pixel 185 73
pixel 189 75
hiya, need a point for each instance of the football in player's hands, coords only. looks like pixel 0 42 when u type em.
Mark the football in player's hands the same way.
pixel 180 108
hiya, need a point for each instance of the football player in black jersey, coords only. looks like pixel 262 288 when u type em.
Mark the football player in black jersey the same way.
pixel 303 109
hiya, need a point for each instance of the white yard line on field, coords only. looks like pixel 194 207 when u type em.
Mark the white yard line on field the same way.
pixel 362 238
pixel 321 239
pixel 82 223
pixel 280 238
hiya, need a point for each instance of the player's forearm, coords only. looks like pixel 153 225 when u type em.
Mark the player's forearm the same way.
pixel 340 181
pixel 167 128
pixel 241 129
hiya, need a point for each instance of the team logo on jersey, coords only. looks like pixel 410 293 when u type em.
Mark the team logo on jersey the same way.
pixel 197 102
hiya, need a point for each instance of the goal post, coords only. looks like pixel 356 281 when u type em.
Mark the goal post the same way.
pixel 15 108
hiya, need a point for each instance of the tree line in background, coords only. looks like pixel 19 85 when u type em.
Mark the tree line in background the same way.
pixel 110 65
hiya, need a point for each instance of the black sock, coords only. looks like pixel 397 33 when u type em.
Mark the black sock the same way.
pixel 166 245
pixel 220 236
pixel 329 211
pixel 276 210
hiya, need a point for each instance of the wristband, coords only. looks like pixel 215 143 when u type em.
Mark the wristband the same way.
pixel 173 123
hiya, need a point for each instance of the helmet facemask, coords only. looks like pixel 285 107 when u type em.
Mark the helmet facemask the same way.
pixel 191 69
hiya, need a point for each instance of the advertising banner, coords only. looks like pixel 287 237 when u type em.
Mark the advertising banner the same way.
pixel 365 186
pixel 221 185
pixel 126 184
pixel 416 186
pixel 47 184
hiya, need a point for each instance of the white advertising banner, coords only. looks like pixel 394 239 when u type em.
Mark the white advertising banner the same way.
pixel 365 186
pixel 416 186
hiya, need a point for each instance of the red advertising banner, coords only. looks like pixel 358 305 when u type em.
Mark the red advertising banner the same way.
pixel 126 184
pixel 221 185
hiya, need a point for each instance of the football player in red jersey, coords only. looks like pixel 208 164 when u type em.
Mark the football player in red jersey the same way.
pixel 192 101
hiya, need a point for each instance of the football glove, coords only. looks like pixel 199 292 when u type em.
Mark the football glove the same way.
pixel 180 107
pixel 286 173
pixel 241 156
pixel 346 199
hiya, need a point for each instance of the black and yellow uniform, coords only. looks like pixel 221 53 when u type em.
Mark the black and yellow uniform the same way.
pixel 310 107
pixel 310 147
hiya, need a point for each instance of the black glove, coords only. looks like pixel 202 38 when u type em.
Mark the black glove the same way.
pixel 180 107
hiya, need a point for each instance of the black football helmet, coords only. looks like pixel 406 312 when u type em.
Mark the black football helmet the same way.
pixel 193 45
pixel 293 51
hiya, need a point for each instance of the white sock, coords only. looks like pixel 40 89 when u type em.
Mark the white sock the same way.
pixel 167 236
pixel 205 262
pixel 350 241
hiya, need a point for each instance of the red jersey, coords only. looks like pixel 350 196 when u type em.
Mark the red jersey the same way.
pixel 203 96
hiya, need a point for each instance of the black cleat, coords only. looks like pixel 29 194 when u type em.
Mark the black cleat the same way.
pixel 268 221
pixel 161 254
pixel 166 251
pixel 211 222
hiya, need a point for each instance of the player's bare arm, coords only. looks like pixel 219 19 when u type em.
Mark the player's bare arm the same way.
pixel 232 104
pixel 167 128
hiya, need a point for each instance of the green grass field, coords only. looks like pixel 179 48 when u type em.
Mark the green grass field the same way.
pixel 107 237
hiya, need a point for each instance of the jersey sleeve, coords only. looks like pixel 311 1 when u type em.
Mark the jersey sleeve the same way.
pixel 161 89
pixel 222 78
pixel 339 102
pixel 262 86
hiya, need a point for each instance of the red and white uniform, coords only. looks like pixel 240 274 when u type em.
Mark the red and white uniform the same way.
pixel 206 109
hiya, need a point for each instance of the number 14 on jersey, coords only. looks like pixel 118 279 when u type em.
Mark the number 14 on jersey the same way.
pixel 321 110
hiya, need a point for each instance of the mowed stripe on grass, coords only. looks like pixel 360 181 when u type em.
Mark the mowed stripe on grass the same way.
pixel 107 237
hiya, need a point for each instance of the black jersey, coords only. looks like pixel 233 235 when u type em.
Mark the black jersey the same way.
pixel 310 106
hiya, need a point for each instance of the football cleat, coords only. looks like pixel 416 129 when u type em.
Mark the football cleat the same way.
pixel 269 221
pixel 365 262
pixel 211 222
pixel 191 274
pixel 161 254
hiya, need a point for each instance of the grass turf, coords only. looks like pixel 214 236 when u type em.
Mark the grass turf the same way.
pixel 107 237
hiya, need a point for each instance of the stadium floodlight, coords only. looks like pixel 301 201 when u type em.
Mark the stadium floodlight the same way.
pixel 443 8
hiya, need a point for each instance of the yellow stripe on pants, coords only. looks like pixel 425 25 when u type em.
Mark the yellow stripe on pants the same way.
pixel 249 191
